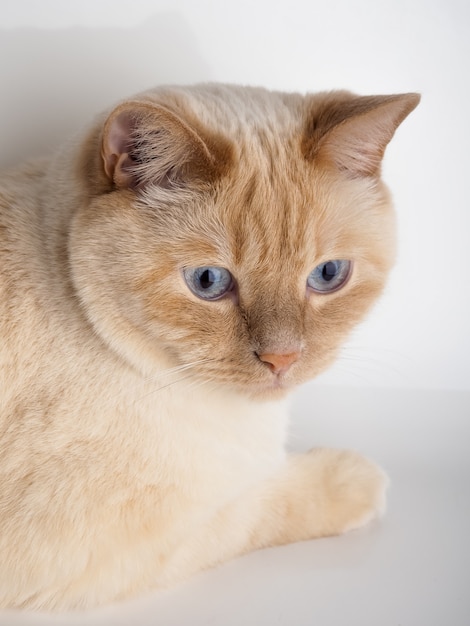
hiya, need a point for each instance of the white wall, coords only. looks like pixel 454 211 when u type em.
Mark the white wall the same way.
pixel 60 62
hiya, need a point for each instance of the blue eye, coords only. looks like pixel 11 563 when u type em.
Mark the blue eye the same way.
pixel 330 276
pixel 208 283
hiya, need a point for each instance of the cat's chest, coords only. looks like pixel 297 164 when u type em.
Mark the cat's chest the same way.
pixel 214 439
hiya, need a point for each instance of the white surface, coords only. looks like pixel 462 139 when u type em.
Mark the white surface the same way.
pixel 410 569
pixel 61 62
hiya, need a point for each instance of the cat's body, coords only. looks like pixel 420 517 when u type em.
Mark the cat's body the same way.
pixel 142 426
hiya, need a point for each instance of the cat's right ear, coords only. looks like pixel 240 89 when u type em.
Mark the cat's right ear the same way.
pixel 352 132
pixel 145 143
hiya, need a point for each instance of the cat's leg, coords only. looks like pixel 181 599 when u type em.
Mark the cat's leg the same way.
pixel 324 492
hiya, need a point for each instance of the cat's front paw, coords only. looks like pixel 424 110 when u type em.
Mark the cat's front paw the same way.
pixel 352 489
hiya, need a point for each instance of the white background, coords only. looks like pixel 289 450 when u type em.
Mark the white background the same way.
pixel 62 62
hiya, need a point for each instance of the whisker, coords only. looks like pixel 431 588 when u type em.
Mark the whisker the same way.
pixel 159 377
pixel 209 384
pixel 379 352
pixel 161 387
pixel 362 376
pixel 373 360
pixel 197 384
pixel 175 370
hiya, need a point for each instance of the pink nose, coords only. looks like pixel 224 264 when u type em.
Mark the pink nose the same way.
pixel 279 363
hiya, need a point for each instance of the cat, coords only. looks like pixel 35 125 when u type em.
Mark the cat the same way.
pixel 166 279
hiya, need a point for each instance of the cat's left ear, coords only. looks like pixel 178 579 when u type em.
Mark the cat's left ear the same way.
pixel 352 132
pixel 145 143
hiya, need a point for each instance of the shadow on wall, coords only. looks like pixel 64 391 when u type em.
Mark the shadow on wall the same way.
pixel 55 81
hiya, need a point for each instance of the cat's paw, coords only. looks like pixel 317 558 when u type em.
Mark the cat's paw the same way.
pixel 352 489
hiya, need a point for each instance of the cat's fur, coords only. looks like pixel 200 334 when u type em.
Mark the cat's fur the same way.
pixel 141 437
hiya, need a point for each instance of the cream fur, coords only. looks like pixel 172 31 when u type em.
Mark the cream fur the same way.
pixel 141 438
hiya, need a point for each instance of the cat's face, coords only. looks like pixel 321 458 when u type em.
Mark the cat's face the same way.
pixel 250 277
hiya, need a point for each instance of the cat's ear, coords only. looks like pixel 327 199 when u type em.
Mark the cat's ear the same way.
pixel 145 143
pixel 352 133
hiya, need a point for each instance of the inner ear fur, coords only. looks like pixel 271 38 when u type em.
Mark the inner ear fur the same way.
pixel 351 132
pixel 146 143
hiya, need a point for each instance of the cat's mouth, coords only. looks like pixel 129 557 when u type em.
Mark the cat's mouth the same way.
pixel 271 386
pixel 255 378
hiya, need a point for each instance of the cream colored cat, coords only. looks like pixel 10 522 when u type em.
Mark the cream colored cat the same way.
pixel 164 282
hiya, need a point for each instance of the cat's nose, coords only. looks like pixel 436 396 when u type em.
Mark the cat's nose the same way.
pixel 279 363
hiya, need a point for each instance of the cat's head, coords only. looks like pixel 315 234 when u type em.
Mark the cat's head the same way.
pixel 236 233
